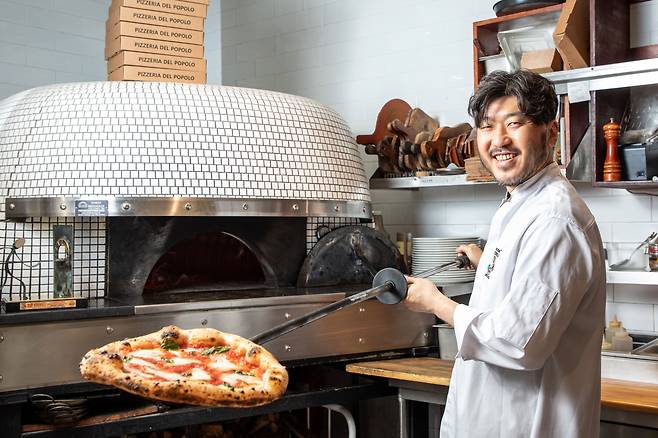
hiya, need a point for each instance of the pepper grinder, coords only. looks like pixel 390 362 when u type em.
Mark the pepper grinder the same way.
pixel 611 165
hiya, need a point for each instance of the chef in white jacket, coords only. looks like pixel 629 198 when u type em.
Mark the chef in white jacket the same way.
pixel 529 341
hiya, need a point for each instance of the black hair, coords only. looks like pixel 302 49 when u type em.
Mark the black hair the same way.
pixel 534 94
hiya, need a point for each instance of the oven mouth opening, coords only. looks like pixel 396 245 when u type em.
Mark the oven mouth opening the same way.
pixel 206 262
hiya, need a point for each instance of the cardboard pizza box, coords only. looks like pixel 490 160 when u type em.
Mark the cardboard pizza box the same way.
pixel 168 6
pixel 152 46
pixel 541 61
pixel 571 34
pixel 154 18
pixel 139 59
pixel 201 2
pixel 139 30
pixel 135 73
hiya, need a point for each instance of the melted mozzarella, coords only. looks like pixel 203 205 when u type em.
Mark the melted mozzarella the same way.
pixel 140 362
pixel 182 361
pixel 198 374
pixel 151 354
pixel 221 363
pixel 232 379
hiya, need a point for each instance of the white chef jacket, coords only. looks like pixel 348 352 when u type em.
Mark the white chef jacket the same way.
pixel 529 342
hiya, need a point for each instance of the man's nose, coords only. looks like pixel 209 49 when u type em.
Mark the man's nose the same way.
pixel 500 137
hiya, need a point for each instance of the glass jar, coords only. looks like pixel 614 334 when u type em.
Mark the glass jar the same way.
pixel 653 257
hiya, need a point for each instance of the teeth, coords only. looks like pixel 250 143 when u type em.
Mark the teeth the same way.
pixel 504 157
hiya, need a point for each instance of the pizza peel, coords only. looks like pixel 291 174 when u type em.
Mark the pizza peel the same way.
pixel 389 286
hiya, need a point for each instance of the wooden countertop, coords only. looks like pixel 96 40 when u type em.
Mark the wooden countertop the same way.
pixel 617 394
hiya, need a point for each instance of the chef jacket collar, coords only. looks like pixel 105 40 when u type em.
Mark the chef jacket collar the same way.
pixel 532 184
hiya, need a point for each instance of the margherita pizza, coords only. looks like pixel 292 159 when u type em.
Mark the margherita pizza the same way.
pixel 203 367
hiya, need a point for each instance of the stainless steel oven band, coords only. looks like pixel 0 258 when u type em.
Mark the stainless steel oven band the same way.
pixel 178 206
pixel 52 357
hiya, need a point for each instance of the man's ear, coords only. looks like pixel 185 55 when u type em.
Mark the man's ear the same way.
pixel 552 133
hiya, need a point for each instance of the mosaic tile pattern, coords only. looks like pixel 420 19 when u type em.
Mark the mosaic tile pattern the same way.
pixel 37 255
pixel 156 139
pixel 151 139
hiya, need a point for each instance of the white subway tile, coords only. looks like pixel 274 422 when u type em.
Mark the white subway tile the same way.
pixel 252 50
pixel 632 231
pixel 654 209
pixel 78 45
pixel 13 12
pixel 479 212
pixel 12 53
pixel 60 61
pixel 94 9
pixel 26 35
pixel 633 316
pixel 66 23
pixel 286 7
pixel 294 41
pixel 621 209
pixel 489 192
pixel 445 194
pixel 229 18
pixel 229 55
pixel 237 72
pixel 429 230
pixel 258 11
pixel 429 213
pixel 25 76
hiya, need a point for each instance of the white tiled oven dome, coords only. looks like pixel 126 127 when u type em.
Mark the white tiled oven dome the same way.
pixel 106 140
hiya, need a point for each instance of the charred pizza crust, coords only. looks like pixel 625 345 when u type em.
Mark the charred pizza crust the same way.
pixel 107 365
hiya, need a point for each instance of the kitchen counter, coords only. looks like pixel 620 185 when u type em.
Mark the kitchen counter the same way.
pixel 615 393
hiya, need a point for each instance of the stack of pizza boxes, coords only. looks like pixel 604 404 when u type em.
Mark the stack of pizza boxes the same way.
pixel 156 40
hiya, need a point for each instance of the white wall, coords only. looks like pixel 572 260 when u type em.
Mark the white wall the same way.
pixel 47 41
pixel 356 55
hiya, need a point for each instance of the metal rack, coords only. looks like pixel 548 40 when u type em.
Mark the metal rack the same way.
pixel 578 83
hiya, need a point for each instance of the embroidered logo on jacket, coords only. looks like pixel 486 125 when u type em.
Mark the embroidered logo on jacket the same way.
pixel 490 266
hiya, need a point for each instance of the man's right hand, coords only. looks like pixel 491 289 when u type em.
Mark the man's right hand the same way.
pixel 472 251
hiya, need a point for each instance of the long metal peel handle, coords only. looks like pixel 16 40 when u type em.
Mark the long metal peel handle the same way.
pixel 296 323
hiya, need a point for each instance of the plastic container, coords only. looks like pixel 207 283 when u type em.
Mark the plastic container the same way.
pixel 613 327
pixel 622 341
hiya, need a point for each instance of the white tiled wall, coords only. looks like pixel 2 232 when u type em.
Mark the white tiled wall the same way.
pixel 48 41
pixel 355 55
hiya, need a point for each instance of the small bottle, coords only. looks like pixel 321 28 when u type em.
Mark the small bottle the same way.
pixel 622 341
pixel 613 327
pixel 653 257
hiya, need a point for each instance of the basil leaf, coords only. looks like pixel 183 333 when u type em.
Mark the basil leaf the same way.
pixel 244 373
pixel 215 350
pixel 169 344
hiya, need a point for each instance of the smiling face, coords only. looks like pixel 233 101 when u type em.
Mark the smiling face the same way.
pixel 511 146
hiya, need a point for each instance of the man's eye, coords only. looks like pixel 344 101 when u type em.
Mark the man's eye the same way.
pixel 514 124
pixel 485 127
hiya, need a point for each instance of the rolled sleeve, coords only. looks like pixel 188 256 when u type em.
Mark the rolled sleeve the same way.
pixel 463 317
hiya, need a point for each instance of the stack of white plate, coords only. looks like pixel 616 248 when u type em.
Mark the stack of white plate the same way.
pixel 428 252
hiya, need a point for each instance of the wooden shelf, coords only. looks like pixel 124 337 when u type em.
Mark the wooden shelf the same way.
pixel 485 34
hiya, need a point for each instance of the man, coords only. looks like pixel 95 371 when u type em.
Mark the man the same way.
pixel 529 342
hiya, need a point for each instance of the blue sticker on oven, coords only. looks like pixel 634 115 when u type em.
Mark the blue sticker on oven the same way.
pixel 490 266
